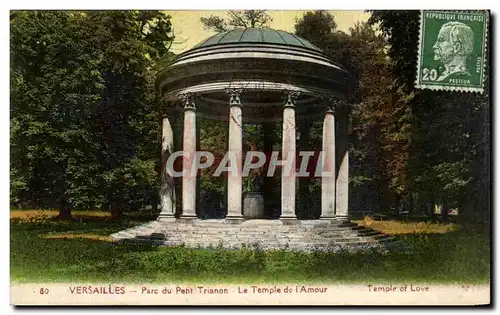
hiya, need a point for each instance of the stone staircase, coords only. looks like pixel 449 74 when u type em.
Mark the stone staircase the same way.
pixel 305 235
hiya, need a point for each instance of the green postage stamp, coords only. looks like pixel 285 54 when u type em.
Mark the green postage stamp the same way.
pixel 452 50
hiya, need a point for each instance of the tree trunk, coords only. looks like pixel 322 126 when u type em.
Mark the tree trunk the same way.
pixel 64 209
pixel 116 211
pixel 432 213
pixel 444 211
pixel 411 206
pixel 64 205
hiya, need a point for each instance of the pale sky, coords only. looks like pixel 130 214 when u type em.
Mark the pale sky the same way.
pixel 189 31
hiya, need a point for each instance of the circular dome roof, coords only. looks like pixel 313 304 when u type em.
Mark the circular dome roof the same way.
pixel 257 35
pixel 263 63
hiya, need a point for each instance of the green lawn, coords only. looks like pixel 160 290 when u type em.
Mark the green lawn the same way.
pixel 46 250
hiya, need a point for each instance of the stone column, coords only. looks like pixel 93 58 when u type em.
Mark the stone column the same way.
pixel 329 171
pixel 189 148
pixel 288 152
pixel 304 211
pixel 177 122
pixel 198 208
pixel 167 189
pixel 342 195
pixel 234 179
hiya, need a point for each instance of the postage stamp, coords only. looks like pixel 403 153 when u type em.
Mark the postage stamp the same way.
pixel 452 50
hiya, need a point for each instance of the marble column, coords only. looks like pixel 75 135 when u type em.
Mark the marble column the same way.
pixel 189 148
pixel 235 149
pixel 167 189
pixel 328 180
pixel 304 211
pixel 199 207
pixel 177 123
pixel 342 195
pixel 288 158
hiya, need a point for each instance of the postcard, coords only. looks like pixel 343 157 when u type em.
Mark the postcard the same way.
pixel 250 157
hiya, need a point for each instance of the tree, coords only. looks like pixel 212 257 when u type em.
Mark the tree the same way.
pixel 449 154
pixel 317 26
pixel 411 148
pixel 55 89
pixel 379 122
pixel 235 19
pixel 83 114
pixel 379 134
pixel 127 120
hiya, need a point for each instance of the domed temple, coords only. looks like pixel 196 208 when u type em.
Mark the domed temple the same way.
pixel 257 76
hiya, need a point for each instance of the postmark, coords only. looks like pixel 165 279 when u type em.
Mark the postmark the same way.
pixel 452 50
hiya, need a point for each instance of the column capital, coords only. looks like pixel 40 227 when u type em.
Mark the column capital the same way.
pixel 188 101
pixel 289 98
pixel 336 103
pixel 330 109
pixel 164 106
pixel 234 96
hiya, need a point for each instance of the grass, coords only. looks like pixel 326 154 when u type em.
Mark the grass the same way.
pixel 394 227
pixel 37 214
pixel 44 249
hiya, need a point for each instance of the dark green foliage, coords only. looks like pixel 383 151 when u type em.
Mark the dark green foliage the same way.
pixel 410 149
pixel 401 29
pixel 378 134
pixel 55 90
pixel 84 122
pixel 450 132
pixel 317 26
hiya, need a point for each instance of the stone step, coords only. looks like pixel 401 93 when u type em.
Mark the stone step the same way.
pixel 124 234
pixel 253 238
pixel 386 239
pixel 144 228
pixel 358 228
pixel 150 237
pixel 275 246
pixel 380 236
pixel 345 224
pixel 277 240
pixel 364 229
pixel 333 234
pixel 329 229
pixel 272 235
pixel 259 232
pixel 266 234
pixel 255 228
pixel 369 233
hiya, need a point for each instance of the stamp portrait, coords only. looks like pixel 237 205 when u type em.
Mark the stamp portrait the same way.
pixel 452 51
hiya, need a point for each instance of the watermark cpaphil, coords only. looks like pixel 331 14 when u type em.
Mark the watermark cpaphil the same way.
pixel 453 46
pixel 307 164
